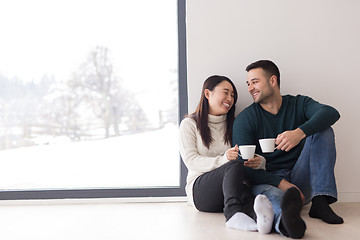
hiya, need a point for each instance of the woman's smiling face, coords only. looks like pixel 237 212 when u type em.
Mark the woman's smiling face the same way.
pixel 221 99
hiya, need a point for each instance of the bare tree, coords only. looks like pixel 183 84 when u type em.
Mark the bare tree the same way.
pixel 102 89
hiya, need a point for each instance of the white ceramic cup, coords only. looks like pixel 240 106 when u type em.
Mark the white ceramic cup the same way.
pixel 247 151
pixel 267 145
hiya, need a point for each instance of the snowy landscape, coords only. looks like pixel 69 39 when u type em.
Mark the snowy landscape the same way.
pixel 149 159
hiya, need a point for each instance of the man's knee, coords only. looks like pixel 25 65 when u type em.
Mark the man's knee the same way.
pixel 328 135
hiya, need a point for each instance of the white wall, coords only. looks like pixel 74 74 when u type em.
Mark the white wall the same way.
pixel 315 43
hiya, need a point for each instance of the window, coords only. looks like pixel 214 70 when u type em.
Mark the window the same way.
pixel 89 98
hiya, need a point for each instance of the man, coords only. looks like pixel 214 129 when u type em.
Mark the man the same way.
pixel 302 166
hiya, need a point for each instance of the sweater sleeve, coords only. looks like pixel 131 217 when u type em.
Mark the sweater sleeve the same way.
pixel 319 116
pixel 262 163
pixel 189 152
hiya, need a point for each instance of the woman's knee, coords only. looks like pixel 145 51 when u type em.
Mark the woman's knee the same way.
pixel 235 165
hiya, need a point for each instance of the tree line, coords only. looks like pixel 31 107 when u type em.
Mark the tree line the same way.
pixel 91 104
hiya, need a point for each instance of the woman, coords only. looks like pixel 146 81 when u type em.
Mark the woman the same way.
pixel 215 180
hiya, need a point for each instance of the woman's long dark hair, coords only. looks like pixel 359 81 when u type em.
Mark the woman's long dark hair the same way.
pixel 201 113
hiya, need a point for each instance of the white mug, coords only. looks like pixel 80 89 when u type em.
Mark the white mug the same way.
pixel 247 151
pixel 267 145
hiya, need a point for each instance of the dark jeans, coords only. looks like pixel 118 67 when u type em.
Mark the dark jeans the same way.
pixel 223 190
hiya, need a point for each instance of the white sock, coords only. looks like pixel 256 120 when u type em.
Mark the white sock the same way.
pixel 264 213
pixel 241 221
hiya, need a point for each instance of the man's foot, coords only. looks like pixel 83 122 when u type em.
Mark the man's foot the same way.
pixel 291 220
pixel 264 213
pixel 321 209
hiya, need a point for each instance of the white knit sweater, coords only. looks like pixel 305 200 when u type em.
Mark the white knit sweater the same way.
pixel 199 159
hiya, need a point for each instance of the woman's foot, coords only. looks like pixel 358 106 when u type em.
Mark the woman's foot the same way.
pixel 241 221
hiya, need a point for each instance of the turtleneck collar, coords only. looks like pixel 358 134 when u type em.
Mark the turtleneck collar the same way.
pixel 216 119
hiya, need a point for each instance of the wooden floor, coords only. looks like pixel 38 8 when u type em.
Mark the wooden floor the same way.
pixel 170 221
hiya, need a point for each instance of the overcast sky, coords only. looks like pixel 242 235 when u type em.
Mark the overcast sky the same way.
pixel 55 37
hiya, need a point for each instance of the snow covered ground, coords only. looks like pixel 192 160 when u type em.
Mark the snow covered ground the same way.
pixel 138 160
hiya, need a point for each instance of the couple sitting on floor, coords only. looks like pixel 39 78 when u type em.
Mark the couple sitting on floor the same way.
pixel 267 191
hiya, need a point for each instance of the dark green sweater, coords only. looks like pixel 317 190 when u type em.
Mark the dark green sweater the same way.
pixel 255 123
